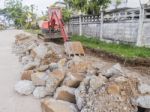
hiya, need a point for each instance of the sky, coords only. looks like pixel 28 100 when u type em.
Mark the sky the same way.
pixel 42 4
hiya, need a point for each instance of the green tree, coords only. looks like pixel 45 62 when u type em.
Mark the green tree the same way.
pixel 66 14
pixel 117 3
pixel 19 13
pixel 88 6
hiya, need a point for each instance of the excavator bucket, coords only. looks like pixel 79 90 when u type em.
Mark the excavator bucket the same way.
pixel 74 49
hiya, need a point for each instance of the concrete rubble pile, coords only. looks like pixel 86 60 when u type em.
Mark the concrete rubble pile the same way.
pixel 76 84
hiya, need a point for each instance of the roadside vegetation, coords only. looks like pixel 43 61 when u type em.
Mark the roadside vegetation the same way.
pixel 122 50
pixel 23 16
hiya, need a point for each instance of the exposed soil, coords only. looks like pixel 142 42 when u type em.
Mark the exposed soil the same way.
pixel 141 65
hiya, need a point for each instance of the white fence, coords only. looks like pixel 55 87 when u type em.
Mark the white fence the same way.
pixel 129 26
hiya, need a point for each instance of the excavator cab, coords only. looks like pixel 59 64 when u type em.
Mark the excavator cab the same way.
pixel 55 26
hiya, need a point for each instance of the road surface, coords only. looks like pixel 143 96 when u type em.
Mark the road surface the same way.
pixel 10 101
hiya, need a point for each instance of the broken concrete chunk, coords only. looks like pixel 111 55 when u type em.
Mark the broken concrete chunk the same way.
pixel 45 61
pixel 91 71
pixel 24 87
pixel 30 66
pixel 48 54
pixel 74 61
pixel 77 59
pixel 62 62
pixel 81 67
pixel 39 78
pixel 119 79
pixel 40 51
pixel 32 46
pixel 26 59
pixel 144 88
pixel 115 70
pixel 42 68
pixel 81 92
pixel 77 65
pixel 143 101
pixel 58 74
pixel 26 75
pixel 51 105
pixel 53 66
pixel 51 85
pixel 40 92
pixel 53 81
pixel 97 81
pixel 73 80
pixel 32 53
pixel 66 94
pixel 80 99
pixel 22 37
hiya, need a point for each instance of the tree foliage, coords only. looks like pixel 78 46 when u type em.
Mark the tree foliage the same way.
pixel 88 6
pixel 19 13
pixel 66 14
pixel 117 3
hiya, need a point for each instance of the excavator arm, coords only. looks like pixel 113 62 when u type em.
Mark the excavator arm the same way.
pixel 56 24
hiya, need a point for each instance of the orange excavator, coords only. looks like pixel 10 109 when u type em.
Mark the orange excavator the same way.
pixel 54 28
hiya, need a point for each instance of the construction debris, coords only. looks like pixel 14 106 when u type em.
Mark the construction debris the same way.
pixel 144 88
pixel 39 78
pixel 26 75
pixel 114 70
pixel 66 94
pixel 24 87
pixel 143 101
pixel 73 79
pixel 77 84
pixel 40 92
pixel 51 105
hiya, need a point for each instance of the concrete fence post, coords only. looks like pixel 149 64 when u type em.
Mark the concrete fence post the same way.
pixel 80 25
pixel 70 28
pixel 101 25
pixel 140 28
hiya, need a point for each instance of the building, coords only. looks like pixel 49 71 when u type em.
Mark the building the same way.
pixel 124 3
pixel 122 13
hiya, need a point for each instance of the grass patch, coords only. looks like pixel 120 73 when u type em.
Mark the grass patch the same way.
pixel 123 50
